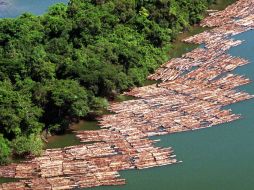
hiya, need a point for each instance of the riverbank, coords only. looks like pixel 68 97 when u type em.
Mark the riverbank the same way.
pixel 126 140
pixel 215 158
pixel 178 48
pixel 60 121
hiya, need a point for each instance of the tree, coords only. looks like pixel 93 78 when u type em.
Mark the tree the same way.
pixel 4 150
pixel 27 145
pixel 18 113
pixel 63 101
pixel 59 67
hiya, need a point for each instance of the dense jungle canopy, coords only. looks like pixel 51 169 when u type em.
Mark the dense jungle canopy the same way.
pixel 58 67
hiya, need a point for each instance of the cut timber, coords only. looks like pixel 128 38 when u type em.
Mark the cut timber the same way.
pixel 191 96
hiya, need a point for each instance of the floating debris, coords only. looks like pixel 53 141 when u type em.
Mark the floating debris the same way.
pixel 191 96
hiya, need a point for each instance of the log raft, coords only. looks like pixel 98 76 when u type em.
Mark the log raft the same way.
pixel 191 96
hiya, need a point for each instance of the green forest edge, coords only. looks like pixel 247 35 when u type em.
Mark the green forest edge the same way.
pixel 65 65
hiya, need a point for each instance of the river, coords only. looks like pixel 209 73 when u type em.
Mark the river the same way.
pixel 13 8
pixel 213 159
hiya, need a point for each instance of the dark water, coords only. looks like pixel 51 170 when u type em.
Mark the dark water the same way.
pixel 13 8
pixel 69 138
pixel 218 158
pixel 179 48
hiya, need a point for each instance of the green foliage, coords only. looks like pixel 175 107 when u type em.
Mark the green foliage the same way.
pixel 5 150
pixel 98 105
pixel 18 114
pixel 26 145
pixel 58 67
pixel 62 100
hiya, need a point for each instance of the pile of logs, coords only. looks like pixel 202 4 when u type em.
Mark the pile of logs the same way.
pixel 237 11
pixel 191 96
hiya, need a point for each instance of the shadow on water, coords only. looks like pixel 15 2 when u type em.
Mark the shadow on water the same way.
pixel 69 138
pixel 221 4
pixel 6 180
pixel 179 48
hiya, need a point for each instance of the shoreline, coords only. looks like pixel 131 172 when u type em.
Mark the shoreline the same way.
pixel 163 155
pixel 177 50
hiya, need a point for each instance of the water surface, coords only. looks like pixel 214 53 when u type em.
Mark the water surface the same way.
pixel 218 158
pixel 14 8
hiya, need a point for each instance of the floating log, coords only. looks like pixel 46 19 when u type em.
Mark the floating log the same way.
pixel 191 96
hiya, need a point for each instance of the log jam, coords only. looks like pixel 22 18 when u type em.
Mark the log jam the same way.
pixel 191 96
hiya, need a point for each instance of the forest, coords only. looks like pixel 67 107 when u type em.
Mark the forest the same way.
pixel 67 63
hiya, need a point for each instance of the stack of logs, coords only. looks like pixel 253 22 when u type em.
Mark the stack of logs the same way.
pixel 193 90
